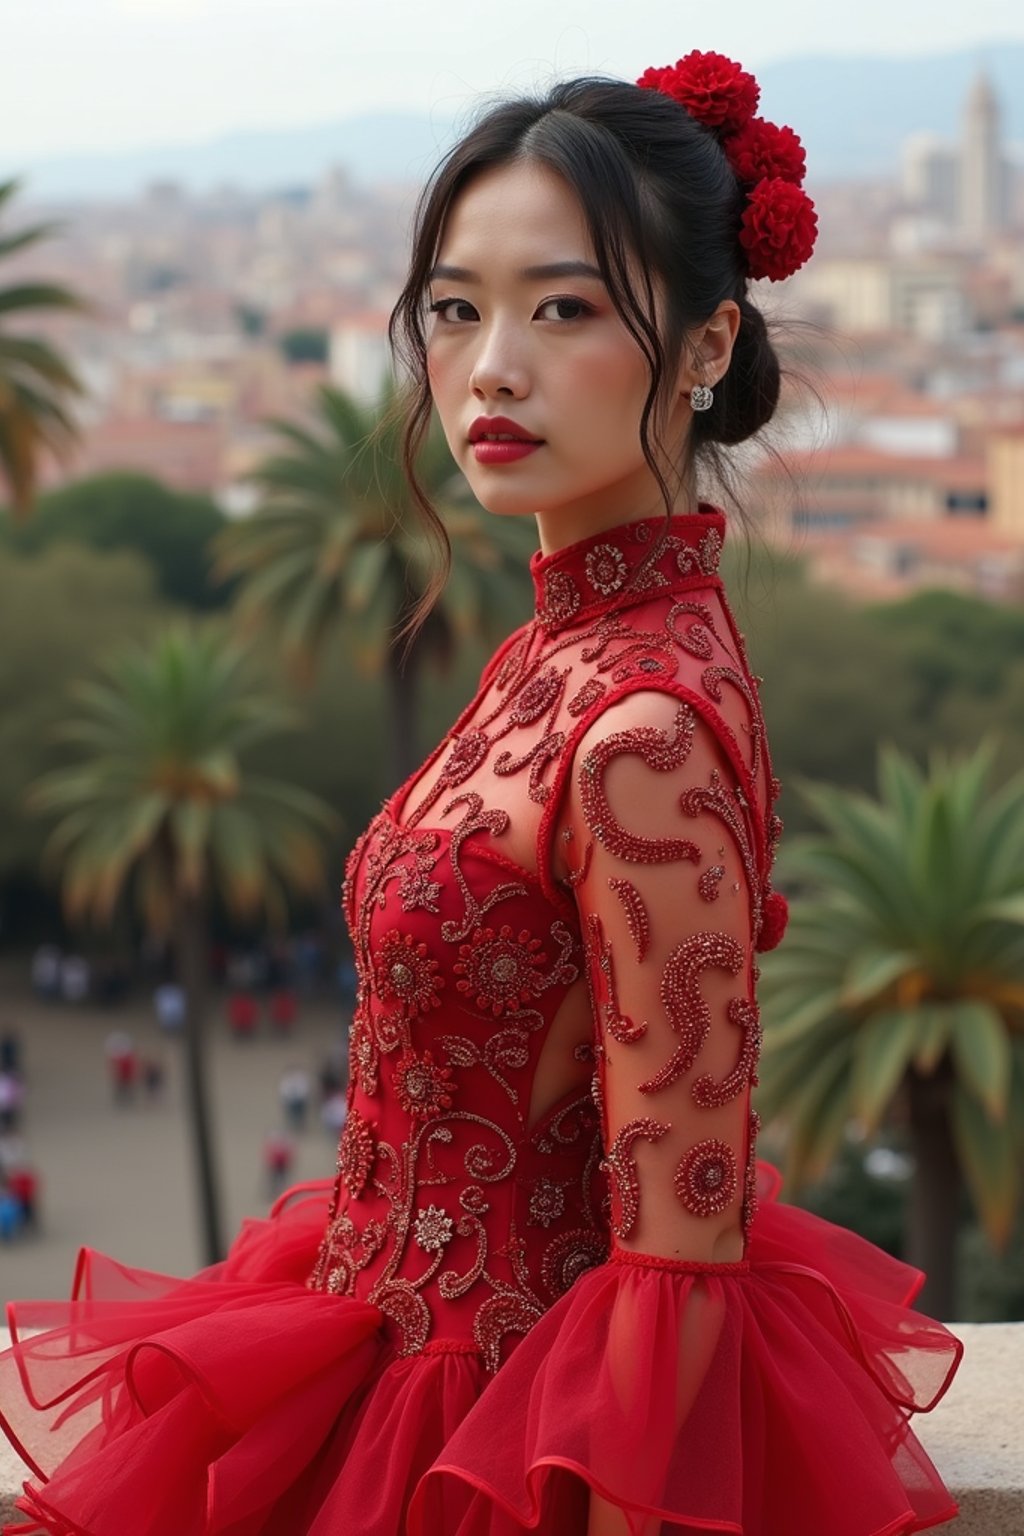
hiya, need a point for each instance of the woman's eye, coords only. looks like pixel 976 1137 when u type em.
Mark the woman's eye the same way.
pixel 572 304
pixel 439 307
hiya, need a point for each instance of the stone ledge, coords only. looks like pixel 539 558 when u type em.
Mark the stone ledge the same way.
pixel 975 1435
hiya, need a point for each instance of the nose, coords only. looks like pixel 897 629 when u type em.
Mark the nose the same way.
pixel 499 367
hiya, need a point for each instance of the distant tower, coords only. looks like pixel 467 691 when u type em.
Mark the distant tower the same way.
pixel 982 172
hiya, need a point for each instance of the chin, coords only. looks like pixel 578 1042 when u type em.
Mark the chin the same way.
pixel 505 501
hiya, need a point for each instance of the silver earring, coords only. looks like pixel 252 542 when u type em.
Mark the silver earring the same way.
pixel 701 397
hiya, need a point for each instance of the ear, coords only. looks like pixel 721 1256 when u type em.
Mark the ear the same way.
pixel 708 350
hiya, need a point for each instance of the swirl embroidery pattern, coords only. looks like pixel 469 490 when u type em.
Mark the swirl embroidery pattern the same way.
pixel 489 969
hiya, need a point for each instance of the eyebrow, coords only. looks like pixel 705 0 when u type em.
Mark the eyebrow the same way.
pixel 528 274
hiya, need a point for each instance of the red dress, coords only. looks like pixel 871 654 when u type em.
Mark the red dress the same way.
pixel 551 1261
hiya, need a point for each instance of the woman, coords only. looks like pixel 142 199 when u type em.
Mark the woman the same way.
pixel 552 1288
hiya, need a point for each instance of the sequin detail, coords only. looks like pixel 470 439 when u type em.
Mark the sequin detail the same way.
pixel 547 1202
pixel 659 752
pixel 606 568
pixel 424 1089
pixel 499 969
pixel 453 1212
pixel 407 974
pixel 705 1179
pixel 621 1166
pixel 636 913
pixel 433 1229
pixel 684 1004
pixel 356 1153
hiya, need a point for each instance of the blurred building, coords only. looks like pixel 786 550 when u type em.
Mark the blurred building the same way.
pixel 930 175
pixel 360 360
pixel 923 296
pixel 983 179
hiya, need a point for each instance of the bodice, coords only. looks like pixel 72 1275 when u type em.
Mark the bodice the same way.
pixel 472 1187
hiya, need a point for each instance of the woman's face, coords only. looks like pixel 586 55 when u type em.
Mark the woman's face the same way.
pixel 547 351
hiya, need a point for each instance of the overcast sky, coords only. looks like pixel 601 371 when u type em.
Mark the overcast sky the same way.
pixel 118 74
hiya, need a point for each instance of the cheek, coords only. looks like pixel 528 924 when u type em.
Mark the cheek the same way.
pixel 613 381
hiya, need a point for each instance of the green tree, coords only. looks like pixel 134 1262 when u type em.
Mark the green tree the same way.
pixel 898 992
pixel 173 530
pixel 57 611
pixel 36 383
pixel 159 808
pixel 334 538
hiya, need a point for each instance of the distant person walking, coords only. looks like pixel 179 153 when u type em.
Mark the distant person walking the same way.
pixel 295 1090
pixel 278 1156
pixel 169 1007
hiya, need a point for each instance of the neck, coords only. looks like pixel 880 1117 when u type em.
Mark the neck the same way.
pixel 557 530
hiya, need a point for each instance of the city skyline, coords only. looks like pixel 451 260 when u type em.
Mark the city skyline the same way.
pixel 143 73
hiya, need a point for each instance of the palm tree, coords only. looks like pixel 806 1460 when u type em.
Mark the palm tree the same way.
pixel 898 993
pixel 35 381
pixel 158 807
pixel 333 540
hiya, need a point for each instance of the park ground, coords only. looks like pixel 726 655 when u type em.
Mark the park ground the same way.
pixel 119 1178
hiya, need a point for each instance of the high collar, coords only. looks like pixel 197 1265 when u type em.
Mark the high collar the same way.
pixel 622 565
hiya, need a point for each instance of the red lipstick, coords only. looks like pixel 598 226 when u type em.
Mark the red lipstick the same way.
pixel 497 440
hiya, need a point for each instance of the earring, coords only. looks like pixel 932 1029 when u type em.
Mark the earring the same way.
pixel 701 397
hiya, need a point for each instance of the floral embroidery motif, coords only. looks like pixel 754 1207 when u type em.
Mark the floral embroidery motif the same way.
pixel 407 974
pixel 433 1229
pixel 537 697
pixel 500 969
pixel 417 891
pixel 705 1180
pixel 448 1213
pixel 424 1089
pixel 606 569
pixel 547 1202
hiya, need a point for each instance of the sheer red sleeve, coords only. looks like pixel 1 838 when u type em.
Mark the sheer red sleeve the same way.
pixel 665 908
pixel 738 1364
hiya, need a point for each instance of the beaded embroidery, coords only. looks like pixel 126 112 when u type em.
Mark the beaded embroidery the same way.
pixel 475 917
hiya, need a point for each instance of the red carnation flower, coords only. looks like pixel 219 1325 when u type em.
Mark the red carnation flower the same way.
pixel 762 149
pixel 714 90
pixel 652 78
pixel 779 228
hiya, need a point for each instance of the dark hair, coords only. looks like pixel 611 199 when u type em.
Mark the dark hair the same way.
pixel 654 184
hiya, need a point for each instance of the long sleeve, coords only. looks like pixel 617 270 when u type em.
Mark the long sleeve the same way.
pixel 733 1350
pixel 663 885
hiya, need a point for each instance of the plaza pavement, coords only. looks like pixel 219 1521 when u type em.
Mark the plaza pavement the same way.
pixel 119 1178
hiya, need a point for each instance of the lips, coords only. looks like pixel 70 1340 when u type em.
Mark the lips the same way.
pixel 499 428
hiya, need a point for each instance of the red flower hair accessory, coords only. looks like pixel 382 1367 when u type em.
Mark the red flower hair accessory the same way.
pixel 778 228
pixel 779 225
pixel 712 88
pixel 762 149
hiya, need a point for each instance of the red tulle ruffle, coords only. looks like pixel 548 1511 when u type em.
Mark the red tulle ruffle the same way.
pixel 770 1398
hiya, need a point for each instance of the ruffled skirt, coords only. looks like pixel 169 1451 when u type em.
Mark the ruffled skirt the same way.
pixel 769 1398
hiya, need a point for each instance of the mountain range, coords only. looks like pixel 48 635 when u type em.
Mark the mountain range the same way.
pixel 852 114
